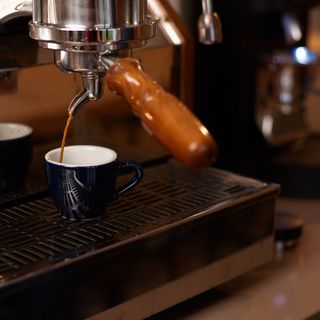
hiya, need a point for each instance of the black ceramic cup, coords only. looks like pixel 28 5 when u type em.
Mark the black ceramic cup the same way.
pixel 15 154
pixel 84 184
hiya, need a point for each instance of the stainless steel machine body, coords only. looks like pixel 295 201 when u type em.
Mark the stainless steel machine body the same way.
pixel 178 232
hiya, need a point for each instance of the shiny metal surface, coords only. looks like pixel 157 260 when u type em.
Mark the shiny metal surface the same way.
pixel 73 24
pixel 93 90
pixel 93 68
pixel 286 288
pixel 81 32
pixel 78 61
pixel 78 14
pixel 87 63
pixel 191 285
pixel 99 39
pixel 209 24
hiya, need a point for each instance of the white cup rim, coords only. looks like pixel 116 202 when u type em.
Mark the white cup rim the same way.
pixel 74 156
pixel 17 131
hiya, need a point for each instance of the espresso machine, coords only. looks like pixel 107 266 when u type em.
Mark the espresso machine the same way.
pixel 187 228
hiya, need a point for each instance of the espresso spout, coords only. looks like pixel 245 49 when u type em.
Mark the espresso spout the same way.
pixel 92 91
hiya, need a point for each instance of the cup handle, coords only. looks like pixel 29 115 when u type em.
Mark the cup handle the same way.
pixel 125 167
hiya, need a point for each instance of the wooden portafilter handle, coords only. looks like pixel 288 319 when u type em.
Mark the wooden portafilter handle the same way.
pixel 172 123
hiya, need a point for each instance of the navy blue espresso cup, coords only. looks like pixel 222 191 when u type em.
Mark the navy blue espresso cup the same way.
pixel 84 183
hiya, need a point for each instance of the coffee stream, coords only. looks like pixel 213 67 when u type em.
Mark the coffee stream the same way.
pixel 65 134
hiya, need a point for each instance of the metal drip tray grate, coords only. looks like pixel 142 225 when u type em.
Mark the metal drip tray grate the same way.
pixel 33 235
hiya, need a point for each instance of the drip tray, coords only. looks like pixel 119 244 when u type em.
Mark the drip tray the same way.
pixel 176 221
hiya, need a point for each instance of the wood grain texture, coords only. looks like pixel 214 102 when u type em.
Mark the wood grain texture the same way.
pixel 172 123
